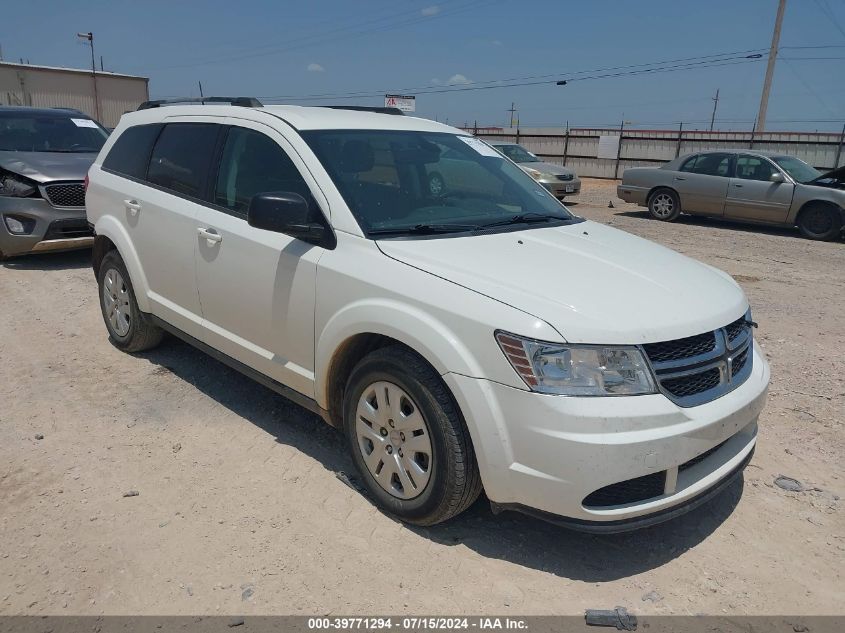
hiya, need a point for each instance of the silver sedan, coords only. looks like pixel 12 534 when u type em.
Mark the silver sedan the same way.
pixel 742 185
pixel 560 181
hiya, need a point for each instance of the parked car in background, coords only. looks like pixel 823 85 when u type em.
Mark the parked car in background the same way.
pixel 459 340
pixel 45 154
pixel 742 185
pixel 560 181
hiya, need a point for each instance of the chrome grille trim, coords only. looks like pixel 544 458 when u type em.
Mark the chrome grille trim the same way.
pixel 685 380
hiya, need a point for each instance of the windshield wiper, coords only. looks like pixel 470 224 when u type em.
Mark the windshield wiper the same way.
pixel 424 229
pixel 525 218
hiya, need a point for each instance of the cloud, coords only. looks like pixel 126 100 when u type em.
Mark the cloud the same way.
pixel 315 68
pixel 496 42
pixel 429 11
pixel 459 80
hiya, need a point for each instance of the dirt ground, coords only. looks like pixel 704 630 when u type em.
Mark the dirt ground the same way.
pixel 239 510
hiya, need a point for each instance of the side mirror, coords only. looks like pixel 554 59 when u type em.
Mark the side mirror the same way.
pixel 285 212
pixel 777 177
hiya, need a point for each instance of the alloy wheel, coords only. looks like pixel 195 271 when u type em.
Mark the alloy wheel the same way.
pixel 662 205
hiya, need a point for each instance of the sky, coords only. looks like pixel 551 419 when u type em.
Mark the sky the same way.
pixel 462 58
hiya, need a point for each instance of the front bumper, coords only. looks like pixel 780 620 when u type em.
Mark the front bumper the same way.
pixel 52 228
pixel 546 454
pixel 562 188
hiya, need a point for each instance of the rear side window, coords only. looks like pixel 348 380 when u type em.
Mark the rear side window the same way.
pixel 181 157
pixel 716 164
pixel 130 154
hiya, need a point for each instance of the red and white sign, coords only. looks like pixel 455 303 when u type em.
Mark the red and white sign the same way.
pixel 406 103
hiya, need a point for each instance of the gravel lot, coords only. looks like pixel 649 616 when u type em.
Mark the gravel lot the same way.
pixel 239 510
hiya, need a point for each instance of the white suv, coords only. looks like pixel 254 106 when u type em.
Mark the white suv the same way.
pixel 478 337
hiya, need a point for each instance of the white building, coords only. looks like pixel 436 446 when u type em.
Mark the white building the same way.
pixel 51 87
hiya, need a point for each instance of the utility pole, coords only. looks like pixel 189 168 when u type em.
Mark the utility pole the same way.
pixel 770 69
pixel 512 111
pixel 90 37
pixel 715 105
pixel 201 95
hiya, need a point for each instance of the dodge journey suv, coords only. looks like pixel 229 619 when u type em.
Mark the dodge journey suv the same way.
pixel 476 337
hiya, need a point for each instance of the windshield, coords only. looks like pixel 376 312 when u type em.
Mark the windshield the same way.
pixel 797 168
pixel 517 153
pixel 50 133
pixel 402 182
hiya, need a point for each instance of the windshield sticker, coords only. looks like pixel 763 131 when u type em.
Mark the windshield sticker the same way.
pixel 480 146
pixel 84 123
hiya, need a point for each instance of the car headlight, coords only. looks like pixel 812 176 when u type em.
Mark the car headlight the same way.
pixel 578 370
pixel 536 175
pixel 15 186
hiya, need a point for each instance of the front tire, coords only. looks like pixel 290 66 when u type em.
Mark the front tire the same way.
pixel 129 329
pixel 664 205
pixel 408 439
pixel 820 222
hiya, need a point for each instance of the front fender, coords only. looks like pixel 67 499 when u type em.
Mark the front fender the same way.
pixel 431 338
pixel 108 226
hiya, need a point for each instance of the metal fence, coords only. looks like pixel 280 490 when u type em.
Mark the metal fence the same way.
pixel 578 148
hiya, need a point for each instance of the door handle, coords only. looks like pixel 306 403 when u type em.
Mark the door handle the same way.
pixel 211 235
pixel 679 178
pixel 737 185
pixel 132 206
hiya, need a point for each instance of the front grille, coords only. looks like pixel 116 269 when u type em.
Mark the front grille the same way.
pixel 694 384
pixel 697 369
pixel 630 491
pixel 71 194
pixel 681 348
pixel 739 361
pixel 565 176
pixel 737 328
pixel 67 229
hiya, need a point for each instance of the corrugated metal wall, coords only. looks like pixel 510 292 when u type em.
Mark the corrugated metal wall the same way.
pixel 578 148
pixel 21 84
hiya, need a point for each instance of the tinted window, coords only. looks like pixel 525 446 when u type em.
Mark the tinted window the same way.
pixel 130 153
pixel 753 168
pixel 716 164
pixel 181 157
pixel 254 163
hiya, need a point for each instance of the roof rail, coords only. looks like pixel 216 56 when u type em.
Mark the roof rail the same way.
pixel 358 108
pixel 246 102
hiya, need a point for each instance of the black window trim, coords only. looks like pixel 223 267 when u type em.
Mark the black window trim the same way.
pixel 330 240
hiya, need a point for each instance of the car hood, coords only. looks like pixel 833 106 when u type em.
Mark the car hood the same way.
pixel 591 282
pixel 48 166
pixel 547 168
pixel 837 175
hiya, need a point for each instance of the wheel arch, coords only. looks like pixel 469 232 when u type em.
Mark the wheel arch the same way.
pixel 111 235
pixel 657 188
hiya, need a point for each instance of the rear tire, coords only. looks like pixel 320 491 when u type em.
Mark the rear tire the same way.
pixel 436 476
pixel 664 204
pixel 129 329
pixel 820 222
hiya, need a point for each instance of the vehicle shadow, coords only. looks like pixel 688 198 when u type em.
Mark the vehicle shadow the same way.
pixel 722 224
pixel 509 536
pixel 68 260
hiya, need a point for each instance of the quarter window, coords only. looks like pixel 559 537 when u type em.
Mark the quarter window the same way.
pixel 253 163
pixel 754 168
pixel 181 157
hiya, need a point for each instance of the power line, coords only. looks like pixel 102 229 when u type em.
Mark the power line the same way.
pixel 494 84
